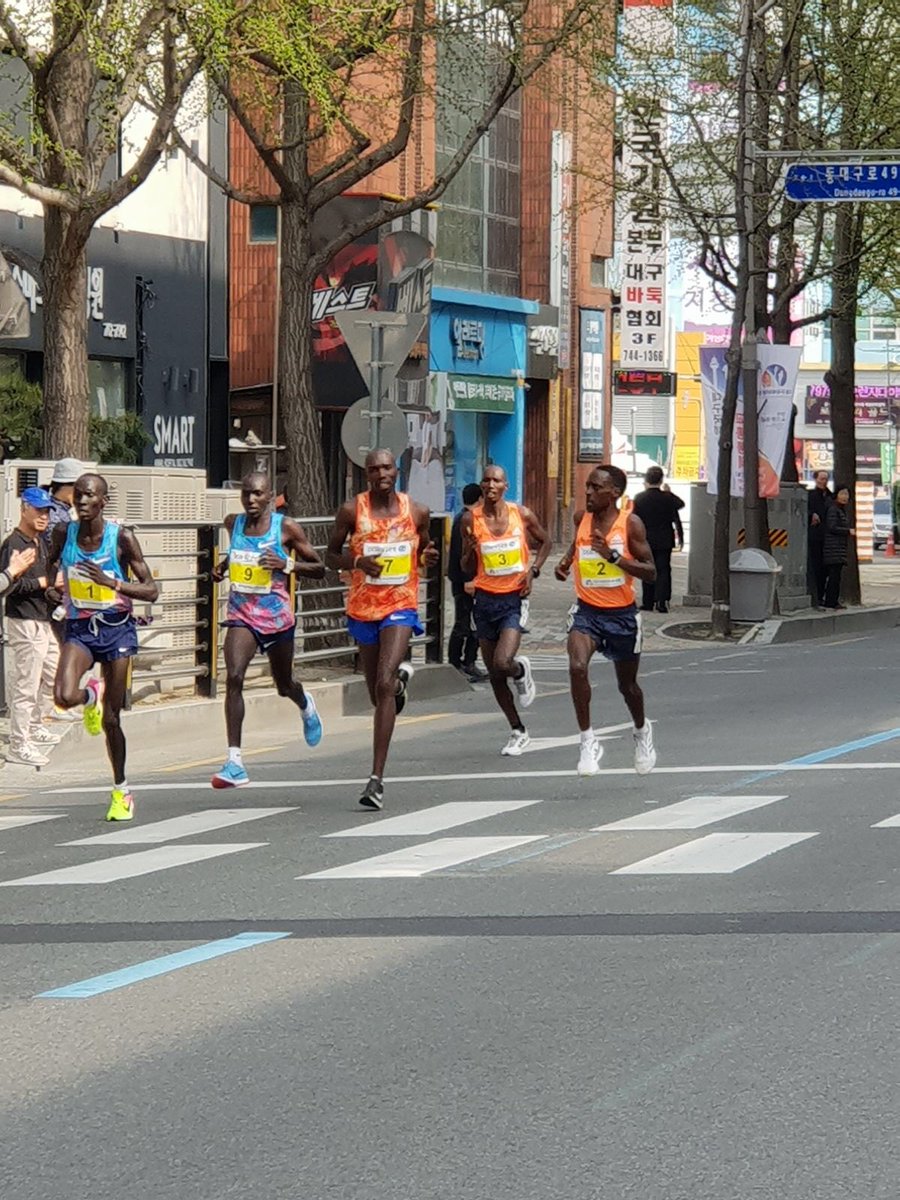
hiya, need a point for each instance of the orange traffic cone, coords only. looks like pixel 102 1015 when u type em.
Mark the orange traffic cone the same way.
pixel 890 549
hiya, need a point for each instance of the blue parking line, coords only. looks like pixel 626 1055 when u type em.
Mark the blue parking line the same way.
pixel 158 966
pixel 817 756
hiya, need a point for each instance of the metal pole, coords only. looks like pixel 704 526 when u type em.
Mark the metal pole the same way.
pixel 633 440
pixel 375 366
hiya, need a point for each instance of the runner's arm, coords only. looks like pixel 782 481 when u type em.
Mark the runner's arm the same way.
pixel 537 534
pixel 142 587
pixel 221 567
pixel 428 553
pixel 640 563
pixel 561 571
pixel 307 563
pixel 336 557
pixel 468 558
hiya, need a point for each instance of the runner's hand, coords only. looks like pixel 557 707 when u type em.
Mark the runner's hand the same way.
pixel 601 545
pixel 368 565
pixel 525 589
pixel 469 588
pixel 220 570
pixel 430 555
pixel 95 575
pixel 20 561
pixel 562 569
pixel 271 560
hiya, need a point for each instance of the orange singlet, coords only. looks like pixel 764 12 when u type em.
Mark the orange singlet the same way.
pixel 502 560
pixel 394 542
pixel 598 582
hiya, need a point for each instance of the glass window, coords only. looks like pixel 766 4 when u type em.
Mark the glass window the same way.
pixel 109 387
pixel 263 222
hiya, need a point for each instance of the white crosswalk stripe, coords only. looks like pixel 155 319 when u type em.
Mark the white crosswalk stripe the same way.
pixel 434 819
pixel 423 859
pixel 128 866
pixel 156 832
pixel 693 813
pixel 715 854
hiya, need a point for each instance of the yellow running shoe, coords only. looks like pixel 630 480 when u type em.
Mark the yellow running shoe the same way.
pixel 121 807
pixel 93 709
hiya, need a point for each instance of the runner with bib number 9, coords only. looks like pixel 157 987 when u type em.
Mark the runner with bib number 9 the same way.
pixel 496 536
pixel 609 552
pixel 265 549
pixel 387 538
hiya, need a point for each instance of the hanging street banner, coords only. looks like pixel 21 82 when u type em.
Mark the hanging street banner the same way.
pixel 591 384
pixel 824 182
pixel 778 367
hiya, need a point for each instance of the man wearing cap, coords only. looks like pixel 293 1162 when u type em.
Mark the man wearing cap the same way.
pixel 62 492
pixel 35 653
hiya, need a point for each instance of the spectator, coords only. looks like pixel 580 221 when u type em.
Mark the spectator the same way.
pixel 34 649
pixel 818 500
pixel 62 491
pixel 836 545
pixel 658 509
pixel 463 648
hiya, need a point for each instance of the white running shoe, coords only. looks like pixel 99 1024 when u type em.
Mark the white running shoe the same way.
pixel 525 686
pixel 27 755
pixel 518 740
pixel 589 759
pixel 45 737
pixel 644 751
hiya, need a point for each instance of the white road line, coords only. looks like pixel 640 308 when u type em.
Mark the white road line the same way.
pixel 692 813
pixel 14 820
pixel 572 739
pixel 888 823
pixel 423 859
pixel 433 820
pixel 715 854
pixel 203 821
pixel 127 866
pixel 781 768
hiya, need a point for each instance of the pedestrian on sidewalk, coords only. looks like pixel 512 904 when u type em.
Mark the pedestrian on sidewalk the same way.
pixel 462 650
pixel 34 649
pixel 818 500
pixel 62 494
pixel 658 508
pixel 836 545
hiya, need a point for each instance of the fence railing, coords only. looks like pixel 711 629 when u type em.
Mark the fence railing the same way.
pixel 180 636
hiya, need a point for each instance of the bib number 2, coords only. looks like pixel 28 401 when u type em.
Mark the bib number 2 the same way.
pixel 597 572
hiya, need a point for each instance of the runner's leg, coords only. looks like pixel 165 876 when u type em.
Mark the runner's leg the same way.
pixel 115 679
pixel 626 676
pixel 281 660
pixel 581 647
pixel 393 646
pixel 499 659
pixel 240 647
pixel 74 664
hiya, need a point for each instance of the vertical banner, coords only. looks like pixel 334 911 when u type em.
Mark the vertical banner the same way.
pixel 778 367
pixel 561 240
pixel 591 384
pixel 553 429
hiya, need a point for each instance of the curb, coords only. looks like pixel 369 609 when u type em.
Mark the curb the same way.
pixel 779 630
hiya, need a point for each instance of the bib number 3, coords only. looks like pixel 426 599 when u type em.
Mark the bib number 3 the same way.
pixel 502 557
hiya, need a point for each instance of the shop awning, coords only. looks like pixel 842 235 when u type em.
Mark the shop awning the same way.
pixel 481 393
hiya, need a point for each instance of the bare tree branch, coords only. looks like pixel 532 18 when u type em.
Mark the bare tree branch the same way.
pixel 38 191
pixel 19 42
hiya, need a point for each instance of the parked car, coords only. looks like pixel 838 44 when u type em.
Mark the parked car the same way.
pixel 882 522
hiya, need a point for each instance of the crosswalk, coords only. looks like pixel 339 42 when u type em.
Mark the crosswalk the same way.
pixel 669 840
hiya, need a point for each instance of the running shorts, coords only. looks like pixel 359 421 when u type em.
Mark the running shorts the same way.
pixel 617 632
pixel 104 640
pixel 495 611
pixel 367 633
pixel 264 641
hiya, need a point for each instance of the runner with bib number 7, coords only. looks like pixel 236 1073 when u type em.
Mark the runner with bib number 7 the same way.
pixel 609 552
pixel 495 537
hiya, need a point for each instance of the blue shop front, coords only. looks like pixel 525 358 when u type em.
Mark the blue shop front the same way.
pixel 475 413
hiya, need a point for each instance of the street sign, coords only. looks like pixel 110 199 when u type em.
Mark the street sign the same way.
pixel 356 426
pixel 399 333
pixel 644 383
pixel 820 182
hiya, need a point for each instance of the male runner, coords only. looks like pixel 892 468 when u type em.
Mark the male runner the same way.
pixel 103 572
pixel 495 538
pixel 610 551
pixel 388 539
pixel 265 548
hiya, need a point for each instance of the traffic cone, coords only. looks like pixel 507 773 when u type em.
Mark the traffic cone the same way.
pixel 890 549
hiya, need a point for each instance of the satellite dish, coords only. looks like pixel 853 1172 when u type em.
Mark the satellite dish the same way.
pixel 392 431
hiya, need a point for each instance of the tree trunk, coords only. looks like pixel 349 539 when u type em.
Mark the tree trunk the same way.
pixel 720 616
pixel 841 377
pixel 306 482
pixel 66 388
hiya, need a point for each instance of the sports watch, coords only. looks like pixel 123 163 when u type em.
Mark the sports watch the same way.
pixel 614 556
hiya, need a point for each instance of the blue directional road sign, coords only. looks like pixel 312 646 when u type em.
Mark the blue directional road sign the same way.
pixel 843 181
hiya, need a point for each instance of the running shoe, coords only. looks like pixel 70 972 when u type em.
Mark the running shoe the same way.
pixel 644 750
pixel 373 794
pixel 45 737
pixel 121 806
pixel 27 756
pixel 405 673
pixel 63 714
pixel 232 775
pixel 312 722
pixel 518 740
pixel 93 709
pixel 589 759
pixel 525 686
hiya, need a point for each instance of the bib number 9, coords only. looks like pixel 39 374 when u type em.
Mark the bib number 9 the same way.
pixel 246 575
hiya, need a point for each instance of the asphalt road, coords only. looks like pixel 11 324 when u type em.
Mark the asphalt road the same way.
pixel 698 1004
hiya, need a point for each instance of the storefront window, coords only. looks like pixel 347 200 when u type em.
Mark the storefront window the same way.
pixel 109 387
pixel 464 459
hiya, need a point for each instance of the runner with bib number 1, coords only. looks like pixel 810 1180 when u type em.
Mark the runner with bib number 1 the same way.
pixel 495 538
pixel 609 551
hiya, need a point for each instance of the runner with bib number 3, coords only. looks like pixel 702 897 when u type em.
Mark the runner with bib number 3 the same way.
pixel 609 551
pixel 495 537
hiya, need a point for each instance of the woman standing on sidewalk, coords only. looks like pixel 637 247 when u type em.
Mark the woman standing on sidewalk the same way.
pixel 836 546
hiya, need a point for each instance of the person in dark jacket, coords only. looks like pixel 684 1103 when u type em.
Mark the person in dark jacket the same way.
pixel 818 500
pixel 835 548
pixel 658 509
pixel 463 648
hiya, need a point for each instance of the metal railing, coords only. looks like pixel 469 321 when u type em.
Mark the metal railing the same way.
pixel 180 636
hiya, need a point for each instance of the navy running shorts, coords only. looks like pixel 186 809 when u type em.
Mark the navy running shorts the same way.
pixel 617 632
pixel 104 640
pixel 495 611
pixel 264 641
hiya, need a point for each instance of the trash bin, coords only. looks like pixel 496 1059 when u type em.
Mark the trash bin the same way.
pixel 753 577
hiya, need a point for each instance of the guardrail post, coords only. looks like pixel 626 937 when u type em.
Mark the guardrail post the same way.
pixel 206 654
pixel 434 595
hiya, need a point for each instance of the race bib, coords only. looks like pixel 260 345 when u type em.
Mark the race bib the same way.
pixel 246 575
pixel 502 557
pixel 85 594
pixel 395 559
pixel 594 571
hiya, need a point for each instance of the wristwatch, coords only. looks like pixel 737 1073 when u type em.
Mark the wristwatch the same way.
pixel 614 556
